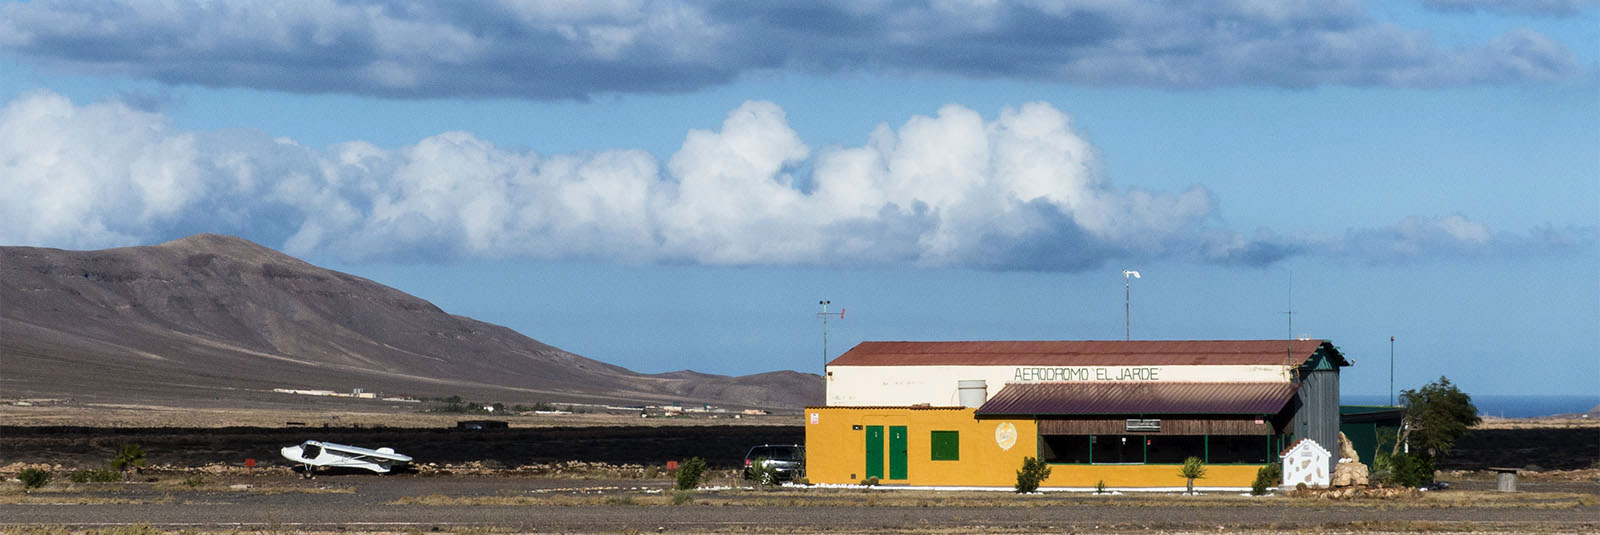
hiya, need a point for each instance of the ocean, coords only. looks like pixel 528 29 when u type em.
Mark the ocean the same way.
pixel 1504 406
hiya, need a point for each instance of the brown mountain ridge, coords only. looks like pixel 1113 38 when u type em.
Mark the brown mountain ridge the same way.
pixel 212 318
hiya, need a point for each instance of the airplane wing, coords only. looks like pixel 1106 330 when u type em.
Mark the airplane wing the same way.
pixel 359 452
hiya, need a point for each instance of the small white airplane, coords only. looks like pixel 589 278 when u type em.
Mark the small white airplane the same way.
pixel 312 454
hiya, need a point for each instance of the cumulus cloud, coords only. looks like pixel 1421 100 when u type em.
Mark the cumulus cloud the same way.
pixel 545 50
pixel 1022 190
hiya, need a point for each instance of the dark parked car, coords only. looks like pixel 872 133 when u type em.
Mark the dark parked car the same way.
pixel 787 461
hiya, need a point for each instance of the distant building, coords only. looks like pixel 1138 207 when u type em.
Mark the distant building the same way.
pixel 1125 413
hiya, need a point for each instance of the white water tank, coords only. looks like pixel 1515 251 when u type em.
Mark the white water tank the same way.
pixel 972 392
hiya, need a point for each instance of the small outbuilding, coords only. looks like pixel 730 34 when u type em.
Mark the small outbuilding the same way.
pixel 1306 463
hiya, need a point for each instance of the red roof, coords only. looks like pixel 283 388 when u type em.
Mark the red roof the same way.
pixel 1085 353
pixel 1139 398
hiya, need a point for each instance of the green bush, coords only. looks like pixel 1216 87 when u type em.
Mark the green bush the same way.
pixel 761 472
pixel 1100 487
pixel 682 498
pixel 1033 472
pixel 194 481
pixel 1382 470
pixel 33 478
pixel 130 458
pixel 96 475
pixel 1411 469
pixel 690 473
pixel 1267 477
pixel 869 482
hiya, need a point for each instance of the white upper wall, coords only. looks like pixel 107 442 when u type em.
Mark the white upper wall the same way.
pixel 898 386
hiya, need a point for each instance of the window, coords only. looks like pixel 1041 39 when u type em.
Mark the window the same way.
pixel 1073 449
pixel 1239 449
pixel 1112 449
pixel 946 445
pixel 1173 449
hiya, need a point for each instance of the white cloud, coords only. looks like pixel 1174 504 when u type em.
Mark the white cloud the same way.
pixel 544 50
pixel 1020 191
pixel 93 175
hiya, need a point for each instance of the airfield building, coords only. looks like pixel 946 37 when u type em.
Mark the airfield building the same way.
pixel 1124 413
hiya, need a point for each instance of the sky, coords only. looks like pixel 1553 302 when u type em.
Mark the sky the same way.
pixel 676 185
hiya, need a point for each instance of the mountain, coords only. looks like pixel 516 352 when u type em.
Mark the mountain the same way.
pixel 210 318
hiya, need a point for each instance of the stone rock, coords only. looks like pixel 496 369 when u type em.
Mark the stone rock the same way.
pixel 1349 474
pixel 1347 450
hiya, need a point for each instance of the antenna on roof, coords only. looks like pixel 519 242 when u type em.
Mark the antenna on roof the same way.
pixel 1127 329
pixel 1288 344
pixel 824 315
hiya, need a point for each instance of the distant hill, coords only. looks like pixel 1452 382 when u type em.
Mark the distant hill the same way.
pixel 214 319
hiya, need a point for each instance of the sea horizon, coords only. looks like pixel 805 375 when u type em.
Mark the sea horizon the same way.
pixel 1504 405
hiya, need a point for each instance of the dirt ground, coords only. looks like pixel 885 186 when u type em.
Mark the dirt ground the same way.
pixel 278 502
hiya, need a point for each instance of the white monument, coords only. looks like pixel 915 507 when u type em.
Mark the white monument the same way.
pixel 1306 462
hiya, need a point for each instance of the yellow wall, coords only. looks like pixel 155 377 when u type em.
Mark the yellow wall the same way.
pixel 836 453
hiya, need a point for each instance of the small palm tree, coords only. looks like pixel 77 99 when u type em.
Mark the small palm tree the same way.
pixel 1193 468
pixel 130 459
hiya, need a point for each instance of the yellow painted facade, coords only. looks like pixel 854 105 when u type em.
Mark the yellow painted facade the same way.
pixel 989 454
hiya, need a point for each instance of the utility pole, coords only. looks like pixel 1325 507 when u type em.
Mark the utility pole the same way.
pixel 824 315
pixel 1127 328
pixel 1391 371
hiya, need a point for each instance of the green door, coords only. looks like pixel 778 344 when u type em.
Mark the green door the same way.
pixel 875 451
pixel 897 452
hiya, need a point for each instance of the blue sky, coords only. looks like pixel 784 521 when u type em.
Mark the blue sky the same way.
pixel 671 185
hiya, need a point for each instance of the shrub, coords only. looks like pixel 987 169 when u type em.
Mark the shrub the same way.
pixel 1411 469
pixel 1033 472
pixel 761 472
pixel 33 478
pixel 690 473
pixel 801 481
pixel 194 481
pixel 97 475
pixel 620 500
pixel 652 472
pixel 1100 487
pixel 1193 468
pixel 869 482
pixel 1267 477
pixel 682 498
pixel 130 458
pixel 1382 470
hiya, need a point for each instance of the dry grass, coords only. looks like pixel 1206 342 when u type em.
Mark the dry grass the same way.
pixel 160 491
pixel 789 497
pixel 1538 423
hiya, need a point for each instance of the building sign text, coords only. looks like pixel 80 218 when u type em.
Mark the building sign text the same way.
pixel 1088 373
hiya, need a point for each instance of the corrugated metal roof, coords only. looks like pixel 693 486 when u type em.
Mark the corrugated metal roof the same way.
pixel 1054 398
pixel 1086 353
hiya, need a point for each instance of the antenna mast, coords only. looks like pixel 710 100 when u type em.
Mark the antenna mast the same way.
pixel 824 315
pixel 1127 329
pixel 1288 345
